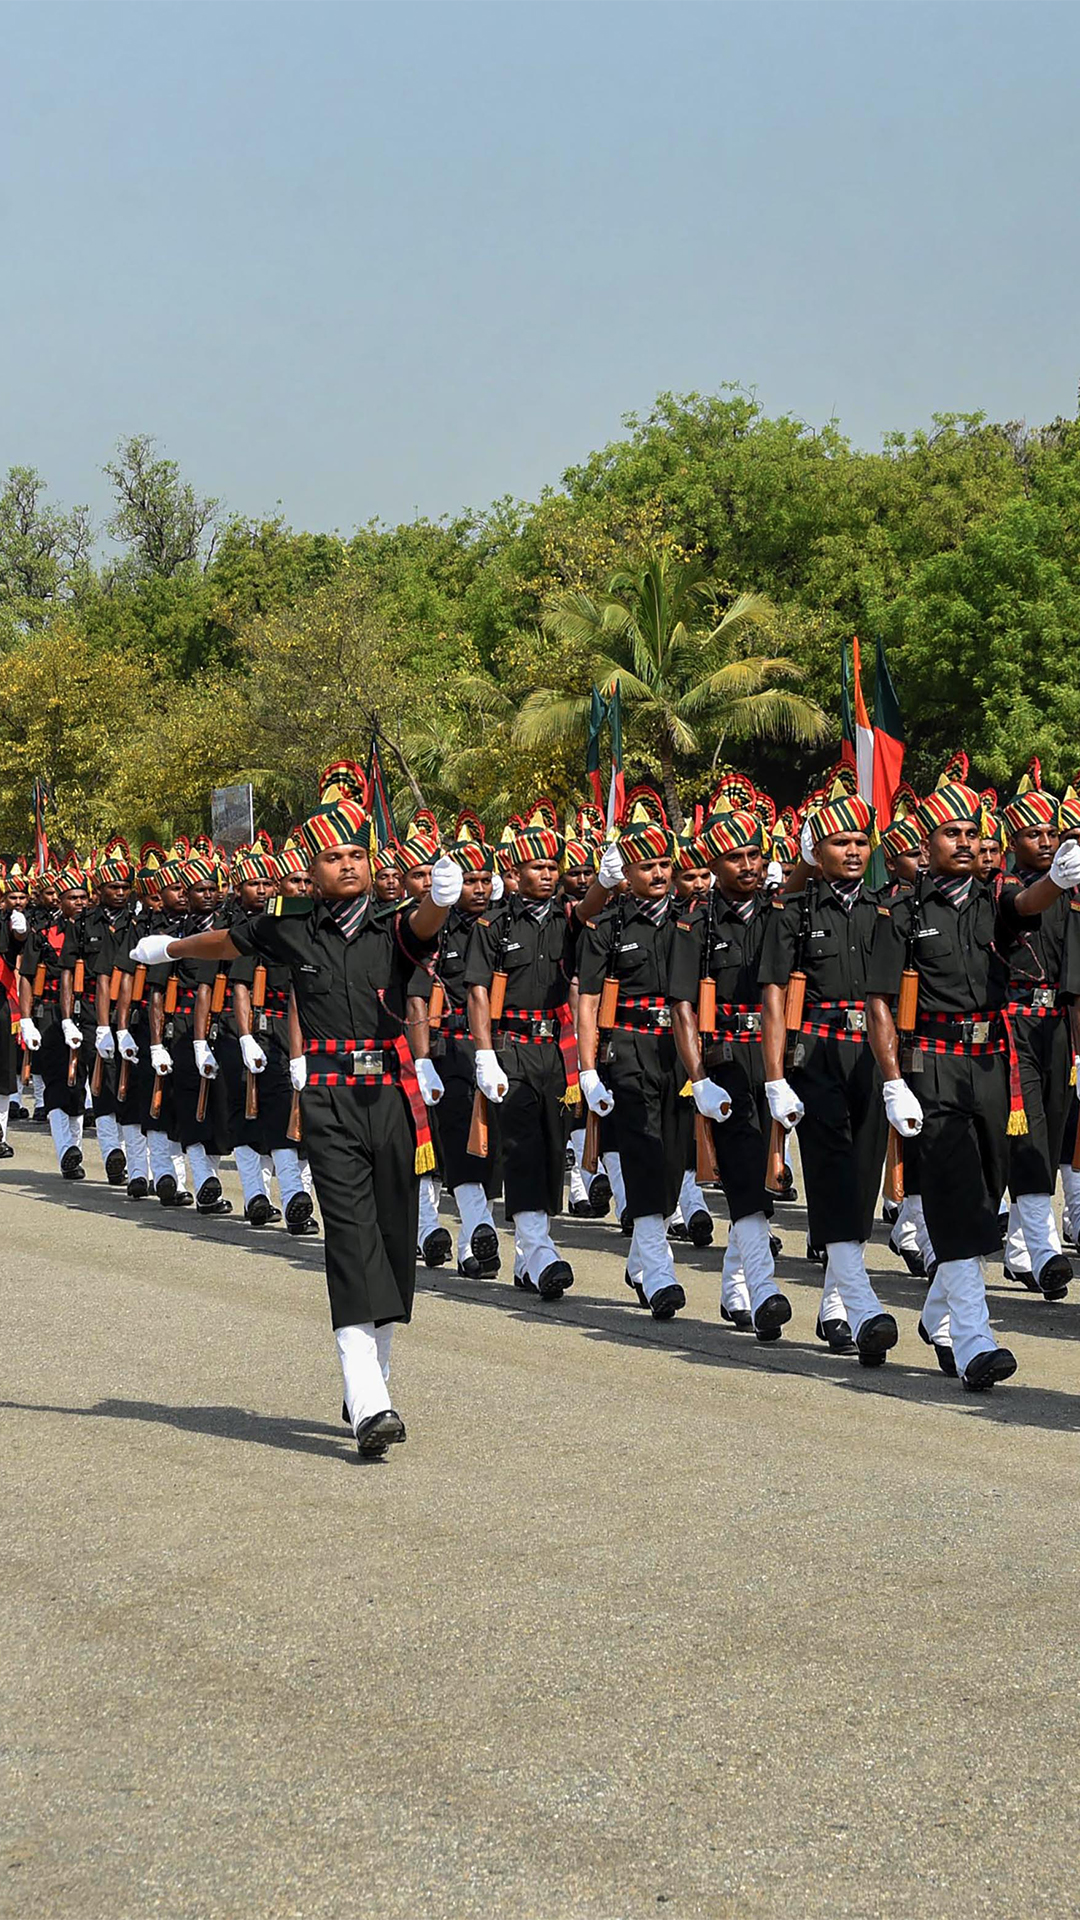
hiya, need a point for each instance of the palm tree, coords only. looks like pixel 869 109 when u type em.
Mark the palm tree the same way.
pixel 682 679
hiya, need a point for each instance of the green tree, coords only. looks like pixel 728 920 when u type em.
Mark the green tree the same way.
pixel 164 523
pixel 44 551
pixel 686 682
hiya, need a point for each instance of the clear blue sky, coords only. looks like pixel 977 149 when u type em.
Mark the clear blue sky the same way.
pixel 369 259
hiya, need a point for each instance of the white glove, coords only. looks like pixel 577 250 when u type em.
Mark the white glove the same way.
pixel 446 879
pixel 784 1103
pixel 598 1098
pixel 774 874
pixel 904 1111
pixel 152 949
pixel 298 1072
pixel 1065 865
pixel 128 1045
pixel 711 1100
pixel 611 872
pixel 490 1077
pixel 161 1059
pixel 254 1057
pixel 17 921
pixel 431 1087
pixel 104 1043
pixel 72 1033
pixel 806 846
pixel 498 888
pixel 31 1038
pixel 205 1061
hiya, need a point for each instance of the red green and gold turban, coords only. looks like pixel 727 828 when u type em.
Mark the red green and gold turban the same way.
pixel 197 871
pixel 948 804
pixel 691 853
pixel 255 865
pixel 903 836
pixel 577 854
pixel 472 856
pixel 731 833
pixel 116 871
pixel 419 850
pixel 535 843
pixel 290 860
pixel 343 824
pixel 1033 809
pixel 646 840
pixel 846 813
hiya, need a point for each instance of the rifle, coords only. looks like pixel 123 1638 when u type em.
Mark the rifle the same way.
pixel 171 990
pixel 706 998
pixel 217 1004
pixel 893 1188
pixel 138 988
pixel 258 1001
pixel 794 1002
pixel 479 1141
pixel 78 984
pixel 38 990
pixel 907 1005
pixel 605 1020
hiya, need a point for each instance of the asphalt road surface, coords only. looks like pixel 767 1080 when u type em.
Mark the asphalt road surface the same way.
pixel 643 1619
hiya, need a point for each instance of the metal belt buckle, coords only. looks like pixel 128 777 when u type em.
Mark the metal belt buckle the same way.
pixel 367 1065
pixel 856 1019
pixel 1044 997
pixel 545 1029
pixel 980 1032
pixel 749 1023
pixel 663 1018
pixel 262 1023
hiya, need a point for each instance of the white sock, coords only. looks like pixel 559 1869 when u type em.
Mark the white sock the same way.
pixel 108 1135
pixel 472 1206
pixel 289 1169
pixel 651 1260
pixel 1036 1212
pixel 204 1166
pixel 135 1148
pixel 691 1198
pixel 249 1166
pixel 751 1236
pixel 429 1207
pixel 960 1287
pixel 5 1102
pixel 613 1169
pixel 38 1085
pixel 1016 1247
pixel 533 1245
pixel 60 1128
pixel 364 1352
pixel 734 1292
pixel 846 1270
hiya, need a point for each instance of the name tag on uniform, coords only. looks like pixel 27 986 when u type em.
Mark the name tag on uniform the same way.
pixel 629 946
pixel 927 933
pixel 513 946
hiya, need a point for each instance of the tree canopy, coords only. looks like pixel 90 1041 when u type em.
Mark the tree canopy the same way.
pixel 201 646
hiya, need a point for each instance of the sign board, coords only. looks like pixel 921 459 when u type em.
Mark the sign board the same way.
pixel 231 818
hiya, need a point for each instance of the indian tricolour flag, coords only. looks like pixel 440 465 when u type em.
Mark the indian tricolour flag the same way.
pixel 864 732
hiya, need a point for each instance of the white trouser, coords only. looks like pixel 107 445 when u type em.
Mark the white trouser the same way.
pixel 66 1131
pixel 364 1352
pixel 472 1205
pixel 38 1085
pixel 651 1261
pixel 1036 1239
pixel 88 1098
pixel 534 1249
pixel 691 1198
pixel 138 1164
pixel 204 1166
pixel 613 1169
pixel 429 1206
pixel 1070 1183
pixel 954 1311
pixel 108 1135
pixel 5 1102
pixel 846 1272
pixel 290 1171
pixel 755 1258
pixel 167 1160
pixel 905 1231
pixel 580 1181
pixel 254 1181
pixel 922 1231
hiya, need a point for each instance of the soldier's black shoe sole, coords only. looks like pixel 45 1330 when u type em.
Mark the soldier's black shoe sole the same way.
pixel 699 1229
pixel 771 1317
pixel 71 1166
pixel 875 1339
pixel 116 1168
pixel 984 1372
pixel 555 1280
pixel 1055 1277
pixel 665 1304
pixel 437 1248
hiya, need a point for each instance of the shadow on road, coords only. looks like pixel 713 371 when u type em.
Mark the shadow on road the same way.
pixel 221 1423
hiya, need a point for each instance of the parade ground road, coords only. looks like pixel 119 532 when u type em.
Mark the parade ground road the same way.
pixel 642 1620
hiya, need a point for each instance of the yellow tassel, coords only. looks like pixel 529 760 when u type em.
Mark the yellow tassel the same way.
pixel 687 1092
pixel 1072 1076
pixel 572 1097
pixel 1018 1122
pixel 424 1159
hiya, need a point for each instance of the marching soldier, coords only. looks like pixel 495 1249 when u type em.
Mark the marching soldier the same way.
pixel 718 1030
pixel 89 954
pixel 934 960
pixel 824 936
pixel 364 1112
pixel 50 1031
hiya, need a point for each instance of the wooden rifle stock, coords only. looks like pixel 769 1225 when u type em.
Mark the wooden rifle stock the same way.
pixel 776 1169
pixel 204 1095
pixel 115 978
pixel 708 1173
pixel 294 1131
pixel 706 1004
pixel 138 985
pixel 894 1168
pixel 590 1154
pixel 171 990
pixel 122 1082
pixel 39 980
pixel 907 1004
pixel 497 994
pixel 609 1003
pixel 794 1000
pixel 436 1003
pixel 258 1001
pixel 217 998
pixel 479 1141
pixel 95 1077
